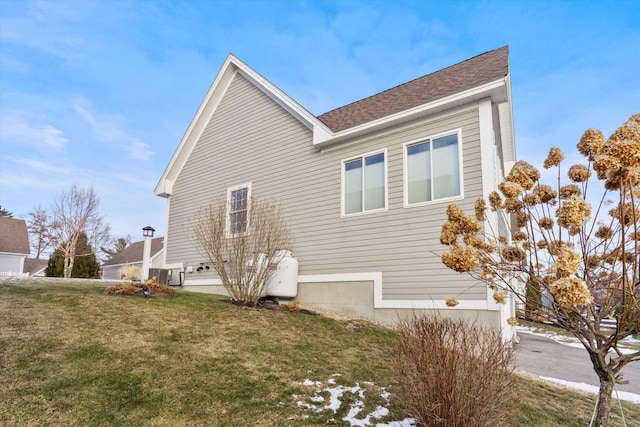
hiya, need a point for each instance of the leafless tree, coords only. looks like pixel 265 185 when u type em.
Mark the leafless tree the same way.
pixel 115 246
pixel 39 228
pixel 75 212
pixel 583 261
pixel 244 260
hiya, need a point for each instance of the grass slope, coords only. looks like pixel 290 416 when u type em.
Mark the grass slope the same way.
pixel 72 355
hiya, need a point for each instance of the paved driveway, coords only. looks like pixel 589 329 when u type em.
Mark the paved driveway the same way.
pixel 542 356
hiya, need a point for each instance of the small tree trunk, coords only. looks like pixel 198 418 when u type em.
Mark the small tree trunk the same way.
pixel 66 268
pixel 607 381
pixel 69 269
pixel 603 408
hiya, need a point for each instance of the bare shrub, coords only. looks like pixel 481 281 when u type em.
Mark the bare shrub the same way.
pixel 124 289
pixel 453 373
pixel 244 259
pixel 152 287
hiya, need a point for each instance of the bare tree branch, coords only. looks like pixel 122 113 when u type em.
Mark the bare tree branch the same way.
pixel 38 226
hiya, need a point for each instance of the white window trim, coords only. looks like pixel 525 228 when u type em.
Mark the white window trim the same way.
pixel 228 211
pixel 342 184
pixel 405 169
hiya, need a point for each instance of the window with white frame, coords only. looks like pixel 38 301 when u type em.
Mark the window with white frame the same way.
pixel 238 209
pixel 364 183
pixel 433 169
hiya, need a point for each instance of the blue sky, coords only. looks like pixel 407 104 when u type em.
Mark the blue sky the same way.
pixel 99 93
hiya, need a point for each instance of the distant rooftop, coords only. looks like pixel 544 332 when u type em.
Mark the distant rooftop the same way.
pixel 135 252
pixel 14 238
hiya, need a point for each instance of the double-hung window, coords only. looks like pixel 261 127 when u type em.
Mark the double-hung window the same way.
pixel 365 183
pixel 433 169
pixel 238 206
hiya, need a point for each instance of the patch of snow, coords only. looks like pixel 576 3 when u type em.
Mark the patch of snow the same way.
pixel 355 416
pixel 407 422
pixel 592 389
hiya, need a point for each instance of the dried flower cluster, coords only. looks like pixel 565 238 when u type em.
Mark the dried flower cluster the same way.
pixel 618 161
pixel 451 302
pixel 462 260
pixel 568 261
pixel 570 292
pixel 554 158
pixel 575 211
pixel 579 173
pixel 500 297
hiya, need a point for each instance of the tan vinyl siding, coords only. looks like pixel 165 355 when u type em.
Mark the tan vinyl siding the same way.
pixel 252 139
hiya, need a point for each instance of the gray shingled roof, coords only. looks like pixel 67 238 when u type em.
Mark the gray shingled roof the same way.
pixel 135 252
pixel 14 238
pixel 473 72
pixel 34 265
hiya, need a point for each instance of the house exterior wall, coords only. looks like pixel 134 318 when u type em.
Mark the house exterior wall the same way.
pixel 252 139
pixel 11 263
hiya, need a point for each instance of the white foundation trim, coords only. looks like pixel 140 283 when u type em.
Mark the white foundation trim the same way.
pixel 378 302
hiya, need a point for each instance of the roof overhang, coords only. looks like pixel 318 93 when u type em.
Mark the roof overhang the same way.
pixel 496 90
pixel 17 254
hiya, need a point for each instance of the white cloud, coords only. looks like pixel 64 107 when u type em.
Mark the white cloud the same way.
pixel 18 127
pixel 40 166
pixel 112 128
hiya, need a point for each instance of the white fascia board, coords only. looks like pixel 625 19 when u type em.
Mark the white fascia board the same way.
pixel 506 126
pixel 164 188
pixel 282 99
pixel 488 153
pixel 495 90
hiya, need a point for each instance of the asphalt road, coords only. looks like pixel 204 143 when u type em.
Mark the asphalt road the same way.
pixel 544 357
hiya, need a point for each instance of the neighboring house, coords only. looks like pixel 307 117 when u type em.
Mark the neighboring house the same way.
pixel 364 187
pixel 14 246
pixel 132 256
pixel 35 267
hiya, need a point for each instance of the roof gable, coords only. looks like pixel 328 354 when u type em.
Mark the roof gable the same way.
pixel 135 252
pixel 473 72
pixel 230 68
pixel 14 238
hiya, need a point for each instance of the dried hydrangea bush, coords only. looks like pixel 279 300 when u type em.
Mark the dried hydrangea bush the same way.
pixel 567 262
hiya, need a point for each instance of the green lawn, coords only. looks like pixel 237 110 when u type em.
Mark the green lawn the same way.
pixel 72 355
